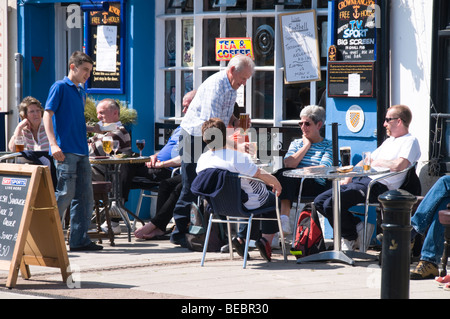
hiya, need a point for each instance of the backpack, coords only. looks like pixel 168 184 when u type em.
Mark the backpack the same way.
pixel 199 218
pixel 308 237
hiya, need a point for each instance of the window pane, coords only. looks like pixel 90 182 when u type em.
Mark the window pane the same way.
pixel 187 82
pixel 207 6
pixel 262 95
pixel 236 27
pixel 264 40
pixel 263 4
pixel 322 3
pixel 169 94
pixel 211 29
pixel 296 97
pixel 170 43
pixel 188 43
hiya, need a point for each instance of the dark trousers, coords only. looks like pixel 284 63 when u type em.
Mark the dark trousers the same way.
pixel 191 147
pixel 168 193
pixel 261 226
pixel 351 194
pixel 291 186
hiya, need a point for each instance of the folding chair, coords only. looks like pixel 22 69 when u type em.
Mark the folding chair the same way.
pixel 228 203
pixel 411 184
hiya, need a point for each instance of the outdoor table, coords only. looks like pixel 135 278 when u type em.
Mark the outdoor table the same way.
pixel 116 204
pixel 332 174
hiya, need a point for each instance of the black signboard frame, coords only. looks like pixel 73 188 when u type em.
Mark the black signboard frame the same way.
pixel 106 82
pixel 338 75
pixel 356 34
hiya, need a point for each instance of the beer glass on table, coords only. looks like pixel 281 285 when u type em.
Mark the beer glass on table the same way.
pixel 366 161
pixel 19 142
pixel 140 144
pixel 107 144
pixel 346 154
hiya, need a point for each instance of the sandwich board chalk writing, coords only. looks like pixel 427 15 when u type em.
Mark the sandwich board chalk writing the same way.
pixel 300 46
pixel 30 227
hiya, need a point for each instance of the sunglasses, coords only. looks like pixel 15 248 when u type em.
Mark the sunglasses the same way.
pixel 388 119
pixel 304 123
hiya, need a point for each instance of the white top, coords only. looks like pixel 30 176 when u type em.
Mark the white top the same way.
pixel 237 162
pixel 405 146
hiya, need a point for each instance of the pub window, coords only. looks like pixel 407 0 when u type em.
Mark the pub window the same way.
pixel 184 65
pixel 440 121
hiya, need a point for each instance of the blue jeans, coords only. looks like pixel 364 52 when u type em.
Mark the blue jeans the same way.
pixel 427 217
pixel 74 188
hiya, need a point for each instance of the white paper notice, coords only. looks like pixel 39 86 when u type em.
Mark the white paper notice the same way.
pixel 106 48
pixel 354 85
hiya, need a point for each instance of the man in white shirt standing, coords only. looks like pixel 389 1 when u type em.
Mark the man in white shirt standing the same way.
pixel 215 98
pixel 398 152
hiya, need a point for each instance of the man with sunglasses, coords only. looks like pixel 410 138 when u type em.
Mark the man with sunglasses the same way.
pixel 397 152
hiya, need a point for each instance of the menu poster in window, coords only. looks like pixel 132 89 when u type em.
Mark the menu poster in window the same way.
pixel 104 44
pixel 300 46
pixel 356 30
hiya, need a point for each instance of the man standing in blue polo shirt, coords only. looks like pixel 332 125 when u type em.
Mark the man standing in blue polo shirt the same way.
pixel 65 126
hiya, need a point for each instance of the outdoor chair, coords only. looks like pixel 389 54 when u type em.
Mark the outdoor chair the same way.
pixel 410 184
pixel 228 203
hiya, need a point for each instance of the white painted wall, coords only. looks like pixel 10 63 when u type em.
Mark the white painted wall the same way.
pixel 411 44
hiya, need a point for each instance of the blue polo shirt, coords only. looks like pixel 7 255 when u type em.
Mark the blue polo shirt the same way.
pixel 67 103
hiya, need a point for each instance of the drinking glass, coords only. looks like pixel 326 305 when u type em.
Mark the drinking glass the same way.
pixel 20 143
pixel 243 122
pixel 140 145
pixel 366 161
pixel 107 144
pixel 115 147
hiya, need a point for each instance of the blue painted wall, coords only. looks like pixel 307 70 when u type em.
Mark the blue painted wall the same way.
pixel 37 38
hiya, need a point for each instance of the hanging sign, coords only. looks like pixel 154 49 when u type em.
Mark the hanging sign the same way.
pixel 227 48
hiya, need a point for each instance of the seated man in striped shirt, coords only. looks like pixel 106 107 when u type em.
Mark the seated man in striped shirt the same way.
pixel 311 150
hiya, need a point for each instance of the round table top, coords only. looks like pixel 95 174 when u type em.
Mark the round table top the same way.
pixel 114 160
pixel 332 173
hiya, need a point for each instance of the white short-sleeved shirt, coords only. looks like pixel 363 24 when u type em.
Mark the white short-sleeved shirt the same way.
pixel 405 146
pixel 237 162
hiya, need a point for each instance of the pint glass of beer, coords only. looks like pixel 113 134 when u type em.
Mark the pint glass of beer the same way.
pixel 107 144
pixel 244 121
pixel 346 154
pixel 366 161
pixel 20 143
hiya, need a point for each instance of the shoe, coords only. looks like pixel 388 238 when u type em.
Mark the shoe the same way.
pixel 348 244
pixel 424 270
pixel 238 247
pixel 91 247
pixel 115 226
pixel 276 241
pixel 286 225
pixel 181 242
pixel 443 280
pixel 447 287
pixel 264 248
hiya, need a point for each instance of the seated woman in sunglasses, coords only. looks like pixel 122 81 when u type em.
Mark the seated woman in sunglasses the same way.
pixel 311 150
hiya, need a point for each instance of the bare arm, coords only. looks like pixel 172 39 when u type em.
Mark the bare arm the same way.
pixel 295 159
pixel 269 180
pixel 49 130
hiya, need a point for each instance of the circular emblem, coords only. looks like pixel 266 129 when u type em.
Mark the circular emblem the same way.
pixel 354 118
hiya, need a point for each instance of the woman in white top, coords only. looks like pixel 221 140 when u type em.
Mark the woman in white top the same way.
pixel 31 126
pixel 221 157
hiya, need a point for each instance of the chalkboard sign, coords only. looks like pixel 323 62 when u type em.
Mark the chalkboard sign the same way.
pixel 13 193
pixel 30 227
pixel 104 38
pixel 356 30
pixel 300 46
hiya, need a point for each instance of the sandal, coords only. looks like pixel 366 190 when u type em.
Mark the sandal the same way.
pixel 264 248
pixel 443 280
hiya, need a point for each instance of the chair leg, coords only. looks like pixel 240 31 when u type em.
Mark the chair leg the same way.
pixel 283 243
pixel 247 239
pixel 205 246
pixel 138 207
pixel 230 243
pixel 446 251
